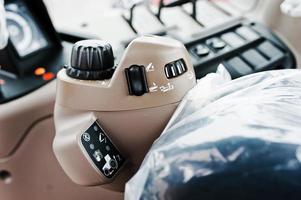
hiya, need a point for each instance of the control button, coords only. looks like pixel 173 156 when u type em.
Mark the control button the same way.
pixel 237 67
pixel 114 163
pixel 91 60
pixel 106 157
pixel 175 68
pixel 170 70
pixel 110 166
pixel 97 155
pixel 216 43
pixel 201 50
pixel 247 33
pixel 270 51
pixel 86 137
pixel 233 39
pixel 255 59
pixel 136 79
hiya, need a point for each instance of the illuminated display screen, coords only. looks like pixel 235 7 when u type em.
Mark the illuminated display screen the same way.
pixel 24 33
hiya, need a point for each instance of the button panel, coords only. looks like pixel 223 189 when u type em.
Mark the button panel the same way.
pixel 175 69
pixel 244 48
pixel 102 151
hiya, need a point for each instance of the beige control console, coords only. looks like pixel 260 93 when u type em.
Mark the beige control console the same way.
pixel 108 116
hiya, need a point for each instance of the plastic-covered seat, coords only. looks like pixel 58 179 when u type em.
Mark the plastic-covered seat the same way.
pixel 236 139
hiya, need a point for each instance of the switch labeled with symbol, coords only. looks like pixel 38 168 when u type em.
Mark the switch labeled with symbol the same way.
pixel 102 152
pixel 136 79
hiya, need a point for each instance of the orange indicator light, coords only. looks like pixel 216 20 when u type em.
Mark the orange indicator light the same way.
pixel 48 76
pixel 39 71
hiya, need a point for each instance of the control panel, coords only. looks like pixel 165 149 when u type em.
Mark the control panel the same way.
pixel 101 150
pixel 125 110
pixel 244 48
pixel 34 53
pixel 214 32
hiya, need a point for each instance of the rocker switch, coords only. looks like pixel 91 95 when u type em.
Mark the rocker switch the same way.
pixel 136 80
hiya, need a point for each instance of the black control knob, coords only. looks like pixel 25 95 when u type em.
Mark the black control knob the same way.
pixel 91 60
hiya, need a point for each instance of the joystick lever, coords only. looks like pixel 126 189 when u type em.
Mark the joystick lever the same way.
pixel 131 9
pixel 107 117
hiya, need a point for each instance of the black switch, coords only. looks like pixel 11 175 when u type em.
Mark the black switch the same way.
pixel 175 68
pixel 270 51
pixel 257 60
pixel 136 79
pixel 237 67
pixel 202 50
pixel 216 43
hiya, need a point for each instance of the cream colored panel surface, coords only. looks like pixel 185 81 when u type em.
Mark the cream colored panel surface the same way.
pixel 185 28
pixel 36 174
pixel 208 14
pixel 18 115
pixel 97 19
pixel 286 27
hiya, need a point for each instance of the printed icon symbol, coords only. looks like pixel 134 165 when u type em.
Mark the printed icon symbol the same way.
pixel 102 138
pixel 150 67
pixel 167 87
pixel 97 155
pixel 110 166
pixel 153 88
pixel 86 137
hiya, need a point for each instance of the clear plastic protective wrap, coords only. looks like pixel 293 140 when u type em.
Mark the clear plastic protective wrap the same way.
pixel 3 29
pixel 237 139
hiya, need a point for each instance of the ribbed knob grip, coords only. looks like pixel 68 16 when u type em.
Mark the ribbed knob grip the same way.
pixel 91 60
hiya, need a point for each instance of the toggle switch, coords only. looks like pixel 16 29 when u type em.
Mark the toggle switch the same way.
pixel 216 43
pixel 136 79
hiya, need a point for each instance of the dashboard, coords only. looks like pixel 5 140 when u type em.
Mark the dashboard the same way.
pixel 245 36
pixel 34 53
pixel 214 32
pixel 25 34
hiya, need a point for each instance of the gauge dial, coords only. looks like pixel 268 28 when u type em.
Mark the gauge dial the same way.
pixel 24 33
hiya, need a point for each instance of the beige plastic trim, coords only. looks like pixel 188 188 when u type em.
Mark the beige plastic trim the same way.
pixel 131 122
pixel 36 174
pixel 113 95
pixel 18 115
